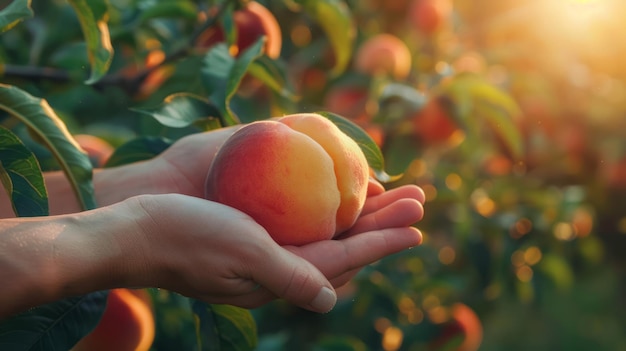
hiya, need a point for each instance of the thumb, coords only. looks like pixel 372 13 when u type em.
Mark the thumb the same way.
pixel 296 280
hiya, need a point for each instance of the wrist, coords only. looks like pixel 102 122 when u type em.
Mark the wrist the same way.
pixel 113 185
pixel 97 250
pixel 51 258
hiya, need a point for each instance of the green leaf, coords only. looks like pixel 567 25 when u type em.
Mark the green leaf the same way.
pixel 400 152
pixel 92 16
pixel 183 109
pixel 335 18
pixel 41 119
pixel 227 22
pixel 16 11
pixel 222 75
pixel 224 327
pixel 22 177
pixel 273 73
pixel 138 149
pixel 477 98
pixel 169 9
pixel 55 326
pixel 372 152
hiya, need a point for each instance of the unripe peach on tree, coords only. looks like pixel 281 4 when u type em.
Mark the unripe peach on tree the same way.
pixel 462 332
pixel 126 325
pixel 98 149
pixel 348 101
pixel 298 176
pixel 384 54
pixel 433 124
pixel 613 173
pixel 429 16
pixel 251 22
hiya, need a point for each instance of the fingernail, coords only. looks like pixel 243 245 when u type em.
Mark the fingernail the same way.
pixel 324 301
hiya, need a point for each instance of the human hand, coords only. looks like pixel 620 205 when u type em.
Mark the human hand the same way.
pixel 198 248
pixel 215 253
pixel 183 167
pixel 384 227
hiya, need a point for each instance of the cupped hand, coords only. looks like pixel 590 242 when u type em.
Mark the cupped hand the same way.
pixel 384 227
pixel 215 253
pixel 218 254
pixel 183 167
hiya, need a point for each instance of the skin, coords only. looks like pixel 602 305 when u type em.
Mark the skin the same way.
pixel 153 229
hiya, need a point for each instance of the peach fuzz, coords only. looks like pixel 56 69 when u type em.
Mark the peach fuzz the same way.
pixel 350 165
pixel 297 176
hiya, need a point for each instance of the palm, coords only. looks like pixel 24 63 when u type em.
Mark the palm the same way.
pixel 188 160
pixel 383 228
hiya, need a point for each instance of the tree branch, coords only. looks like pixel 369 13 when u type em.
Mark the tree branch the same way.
pixel 130 84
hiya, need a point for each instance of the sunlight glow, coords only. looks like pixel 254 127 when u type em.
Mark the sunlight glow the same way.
pixel 565 34
pixel 585 11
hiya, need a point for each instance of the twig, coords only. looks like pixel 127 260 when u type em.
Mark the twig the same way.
pixel 129 83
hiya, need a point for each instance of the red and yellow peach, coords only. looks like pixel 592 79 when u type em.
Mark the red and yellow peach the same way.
pixel 299 176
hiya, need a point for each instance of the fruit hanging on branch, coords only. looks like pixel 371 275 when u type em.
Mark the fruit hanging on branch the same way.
pixel 126 325
pixel 434 124
pixel 429 16
pixel 250 23
pixel 384 54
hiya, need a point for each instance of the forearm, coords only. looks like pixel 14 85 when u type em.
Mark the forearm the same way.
pixel 175 171
pixel 49 258
pixel 111 185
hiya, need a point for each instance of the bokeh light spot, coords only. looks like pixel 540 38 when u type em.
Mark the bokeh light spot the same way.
pixel 564 231
pixel 392 339
pixel 532 255
pixel 524 273
pixel 301 35
pixel 454 181
pixel 447 255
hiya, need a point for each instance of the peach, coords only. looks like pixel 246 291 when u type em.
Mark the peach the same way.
pixel 463 324
pixel 433 124
pixel 251 22
pixel 384 54
pixel 348 101
pixel 471 325
pixel 98 149
pixel 428 16
pixel 126 325
pixel 298 176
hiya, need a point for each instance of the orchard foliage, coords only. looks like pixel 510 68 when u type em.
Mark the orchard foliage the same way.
pixel 506 113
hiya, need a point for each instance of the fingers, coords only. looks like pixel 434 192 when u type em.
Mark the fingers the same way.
pixel 335 258
pixel 378 201
pixel 344 278
pixel 399 207
pixel 374 188
pixel 294 279
pixel 401 213
pixel 384 228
